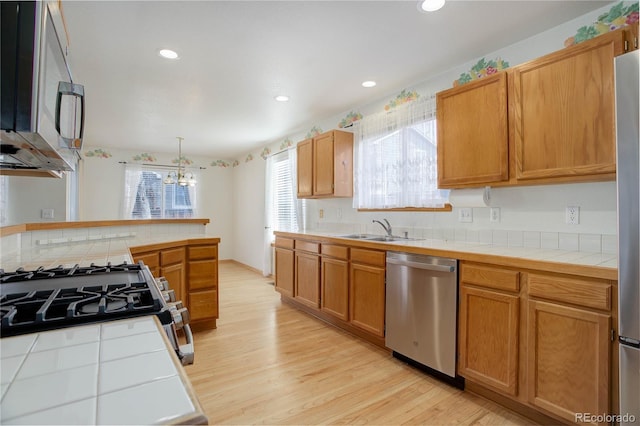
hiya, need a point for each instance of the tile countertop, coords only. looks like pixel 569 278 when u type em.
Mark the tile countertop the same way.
pixel 117 372
pixel 603 265
pixel 83 253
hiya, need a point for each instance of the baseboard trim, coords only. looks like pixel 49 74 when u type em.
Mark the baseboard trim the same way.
pixel 251 268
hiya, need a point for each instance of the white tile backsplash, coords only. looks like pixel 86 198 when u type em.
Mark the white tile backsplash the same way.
pixel 610 244
pixel 549 240
pixel 515 238
pixel 531 239
pixel 567 241
pixel 591 243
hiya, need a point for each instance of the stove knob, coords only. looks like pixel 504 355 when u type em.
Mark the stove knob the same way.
pixel 169 295
pixel 162 283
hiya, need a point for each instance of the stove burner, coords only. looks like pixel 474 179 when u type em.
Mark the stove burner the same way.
pixel 59 297
pixel 60 271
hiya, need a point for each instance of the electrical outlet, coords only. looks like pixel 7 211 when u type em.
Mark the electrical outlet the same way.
pixel 494 214
pixel 465 215
pixel 47 213
pixel 572 215
pixel 321 213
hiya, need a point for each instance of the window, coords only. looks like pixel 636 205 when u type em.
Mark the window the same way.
pixel 147 197
pixel 284 210
pixel 396 159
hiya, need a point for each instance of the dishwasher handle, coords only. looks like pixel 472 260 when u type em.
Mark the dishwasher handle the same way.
pixel 420 265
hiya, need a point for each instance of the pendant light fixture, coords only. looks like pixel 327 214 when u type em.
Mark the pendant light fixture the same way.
pixel 180 176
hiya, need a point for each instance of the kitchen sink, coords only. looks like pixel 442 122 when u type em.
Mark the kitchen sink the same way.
pixel 371 237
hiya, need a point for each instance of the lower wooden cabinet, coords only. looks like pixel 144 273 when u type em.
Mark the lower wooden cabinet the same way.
pixel 488 338
pixel 367 290
pixel 545 344
pixel 568 359
pixel 307 282
pixel 284 271
pixel 191 268
pixel 334 281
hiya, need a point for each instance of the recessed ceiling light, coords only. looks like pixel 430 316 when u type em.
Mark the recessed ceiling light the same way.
pixel 281 98
pixel 368 83
pixel 430 5
pixel 169 54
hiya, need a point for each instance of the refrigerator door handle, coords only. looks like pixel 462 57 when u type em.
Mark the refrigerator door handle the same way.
pixel 628 341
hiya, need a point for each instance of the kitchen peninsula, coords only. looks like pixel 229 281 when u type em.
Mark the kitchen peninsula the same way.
pixel 85 373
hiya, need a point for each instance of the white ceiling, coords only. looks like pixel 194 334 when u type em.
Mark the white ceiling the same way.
pixel 236 56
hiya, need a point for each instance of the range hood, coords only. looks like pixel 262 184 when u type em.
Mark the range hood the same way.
pixel 42 109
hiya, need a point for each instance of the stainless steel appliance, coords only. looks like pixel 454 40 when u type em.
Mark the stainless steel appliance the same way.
pixel 42 120
pixel 45 299
pixel 628 177
pixel 421 310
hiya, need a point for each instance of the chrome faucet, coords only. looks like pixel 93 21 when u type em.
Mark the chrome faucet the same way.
pixel 387 227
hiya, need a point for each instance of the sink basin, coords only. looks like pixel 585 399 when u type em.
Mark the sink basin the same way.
pixel 359 236
pixel 388 239
pixel 371 237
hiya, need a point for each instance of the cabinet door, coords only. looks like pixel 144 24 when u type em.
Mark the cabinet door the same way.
pixel 568 359
pixel 367 298
pixel 562 111
pixel 284 271
pixel 323 156
pixel 488 338
pixel 175 275
pixel 151 259
pixel 307 282
pixel 473 137
pixel 335 287
pixel 304 151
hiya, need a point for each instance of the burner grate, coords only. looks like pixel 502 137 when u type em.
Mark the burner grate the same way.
pixel 58 297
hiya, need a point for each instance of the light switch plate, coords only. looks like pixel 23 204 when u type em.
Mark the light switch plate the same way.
pixel 465 215
pixel 47 213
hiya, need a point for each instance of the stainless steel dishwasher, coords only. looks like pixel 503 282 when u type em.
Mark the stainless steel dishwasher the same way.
pixel 421 310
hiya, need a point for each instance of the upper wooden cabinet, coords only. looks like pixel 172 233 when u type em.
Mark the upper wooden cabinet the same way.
pixel 562 111
pixel 304 151
pixel 325 165
pixel 473 137
pixel 550 120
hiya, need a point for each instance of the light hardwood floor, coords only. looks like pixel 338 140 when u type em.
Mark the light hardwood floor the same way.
pixel 268 363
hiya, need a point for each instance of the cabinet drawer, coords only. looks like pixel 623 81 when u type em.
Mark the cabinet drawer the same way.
pixel 286 243
pixel 203 304
pixel 203 274
pixel 307 246
pixel 339 252
pixel 152 260
pixel 369 257
pixel 203 252
pixel 172 256
pixel 491 277
pixel 577 291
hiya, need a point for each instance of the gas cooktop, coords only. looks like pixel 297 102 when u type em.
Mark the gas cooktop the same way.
pixel 44 299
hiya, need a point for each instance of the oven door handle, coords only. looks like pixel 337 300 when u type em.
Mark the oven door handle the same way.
pixel 187 351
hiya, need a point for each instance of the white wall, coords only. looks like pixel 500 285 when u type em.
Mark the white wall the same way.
pixel 102 185
pixel 27 196
pixel 248 211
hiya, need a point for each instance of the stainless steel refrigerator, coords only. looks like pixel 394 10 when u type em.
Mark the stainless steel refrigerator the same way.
pixel 628 177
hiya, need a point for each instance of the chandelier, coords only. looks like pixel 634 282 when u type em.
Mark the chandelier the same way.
pixel 180 176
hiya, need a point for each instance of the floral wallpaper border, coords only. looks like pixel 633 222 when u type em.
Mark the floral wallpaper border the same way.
pixel 402 98
pixel 314 131
pixel 617 17
pixel 145 156
pixel 349 119
pixel 482 68
pixel 98 153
